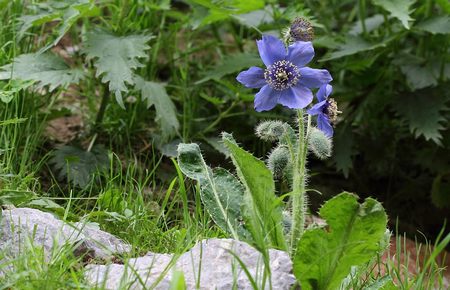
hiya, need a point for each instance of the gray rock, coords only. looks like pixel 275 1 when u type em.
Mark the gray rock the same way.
pixel 25 226
pixel 210 263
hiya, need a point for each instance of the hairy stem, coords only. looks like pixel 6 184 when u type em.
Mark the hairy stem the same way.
pixel 299 200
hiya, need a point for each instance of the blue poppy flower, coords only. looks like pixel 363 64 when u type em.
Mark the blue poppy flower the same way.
pixel 325 109
pixel 285 80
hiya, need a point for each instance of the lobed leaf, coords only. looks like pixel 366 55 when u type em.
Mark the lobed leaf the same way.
pixel 436 25
pixel 116 58
pixel 45 69
pixel 155 95
pixel 325 256
pixel 353 45
pixel 399 9
pixel 423 113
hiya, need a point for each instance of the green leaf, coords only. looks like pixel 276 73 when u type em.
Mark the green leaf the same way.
pixel 325 256
pixel 372 23
pixel 79 166
pixel 399 9
pixel 231 64
pixel 178 281
pixel 221 192
pixel 66 15
pixel 353 45
pixel 155 95
pixel 418 76
pixel 44 69
pixel 445 5
pixel 423 114
pixel 260 199
pixel 343 150
pixel 436 25
pixel 383 283
pixel 222 10
pixel 440 191
pixel 116 58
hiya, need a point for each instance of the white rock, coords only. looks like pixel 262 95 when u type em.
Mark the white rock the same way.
pixel 209 265
pixel 22 226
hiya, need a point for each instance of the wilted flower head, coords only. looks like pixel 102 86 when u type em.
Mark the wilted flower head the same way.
pixel 326 110
pixel 285 80
pixel 301 30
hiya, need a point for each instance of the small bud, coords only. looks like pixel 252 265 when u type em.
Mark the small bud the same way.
pixel 278 161
pixel 319 144
pixel 301 30
pixel 271 130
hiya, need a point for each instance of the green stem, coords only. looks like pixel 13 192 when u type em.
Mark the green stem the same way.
pixel 362 15
pixel 101 110
pixel 299 200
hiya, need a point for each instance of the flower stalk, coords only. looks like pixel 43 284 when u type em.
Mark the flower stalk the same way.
pixel 299 198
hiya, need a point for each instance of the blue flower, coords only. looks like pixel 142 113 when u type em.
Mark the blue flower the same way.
pixel 285 80
pixel 326 110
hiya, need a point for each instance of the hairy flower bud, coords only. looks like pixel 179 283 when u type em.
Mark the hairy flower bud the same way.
pixel 278 161
pixel 319 144
pixel 271 130
pixel 300 30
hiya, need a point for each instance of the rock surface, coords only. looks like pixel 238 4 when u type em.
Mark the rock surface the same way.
pixel 210 263
pixel 19 226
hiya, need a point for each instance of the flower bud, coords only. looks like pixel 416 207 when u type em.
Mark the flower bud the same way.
pixel 271 130
pixel 301 30
pixel 319 144
pixel 278 161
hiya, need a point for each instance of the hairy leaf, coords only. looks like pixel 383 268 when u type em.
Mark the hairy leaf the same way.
pixel 231 64
pixel 155 95
pixel 436 25
pixel 399 9
pixel 423 112
pixel 221 192
pixel 325 256
pixel 116 58
pixel 44 69
pixel 261 201
pixel 353 45
pixel 79 166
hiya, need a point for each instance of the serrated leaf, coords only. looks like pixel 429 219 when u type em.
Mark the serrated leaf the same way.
pixel 423 114
pixel 436 25
pixel 353 45
pixel 79 166
pixel 231 64
pixel 155 95
pixel 221 192
pixel 45 69
pixel 260 199
pixel 399 9
pixel 325 256
pixel 418 76
pixel 67 13
pixel 116 58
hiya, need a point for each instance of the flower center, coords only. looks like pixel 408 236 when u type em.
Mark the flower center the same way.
pixel 331 110
pixel 282 75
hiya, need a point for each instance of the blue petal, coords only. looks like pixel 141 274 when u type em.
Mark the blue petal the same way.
pixel 297 97
pixel 252 78
pixel 266 99
pixel 271 49
pixel 317 108
pixel 314 78
pixel 323 123
pixel 324 92
pixel 300 53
